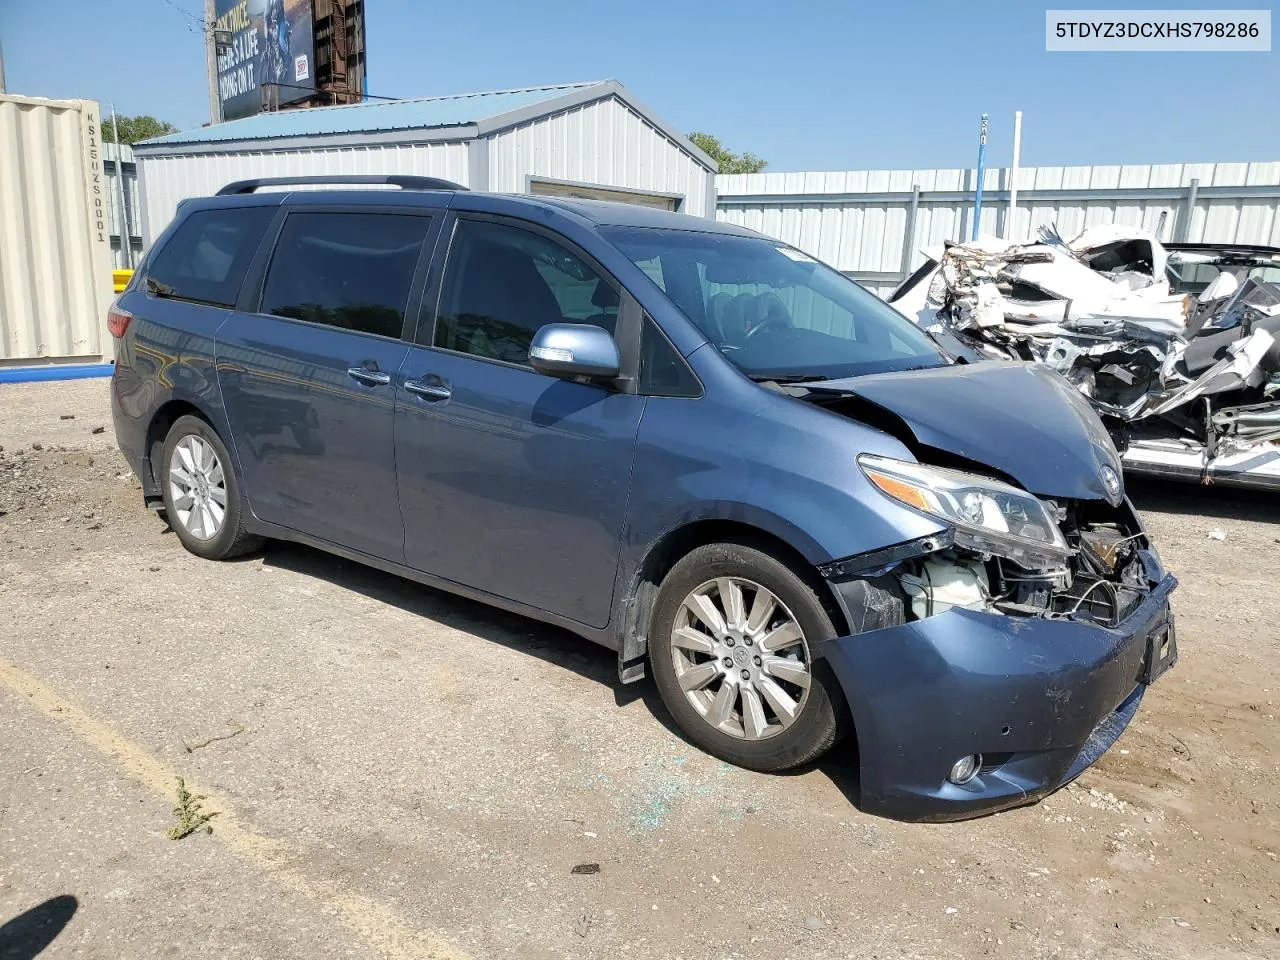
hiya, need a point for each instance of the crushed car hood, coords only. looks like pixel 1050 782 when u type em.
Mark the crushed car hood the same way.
pixel 1021 419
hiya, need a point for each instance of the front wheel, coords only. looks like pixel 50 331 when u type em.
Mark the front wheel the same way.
pixel 201 499
pixel 732 643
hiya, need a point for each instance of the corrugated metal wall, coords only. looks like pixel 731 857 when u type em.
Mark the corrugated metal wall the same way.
pixel 168 179
pixel 602 143
pixel 859 221
pixel 55 272
pixel 132 213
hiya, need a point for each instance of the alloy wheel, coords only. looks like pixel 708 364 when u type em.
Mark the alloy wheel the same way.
pixel 741 658
pixel 197 487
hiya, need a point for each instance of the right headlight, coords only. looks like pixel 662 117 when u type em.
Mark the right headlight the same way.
pixel 987 515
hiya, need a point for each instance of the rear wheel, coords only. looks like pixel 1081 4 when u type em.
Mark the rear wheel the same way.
pixel 732 648
pixel 201 499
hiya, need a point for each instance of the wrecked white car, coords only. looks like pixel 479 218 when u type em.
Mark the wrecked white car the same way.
pixel 1175 345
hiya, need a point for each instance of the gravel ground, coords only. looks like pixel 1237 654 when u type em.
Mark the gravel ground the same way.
pixel 398 773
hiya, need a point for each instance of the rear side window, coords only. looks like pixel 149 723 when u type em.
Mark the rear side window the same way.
pixel 348 270
pixel 503 283
pixel 206 258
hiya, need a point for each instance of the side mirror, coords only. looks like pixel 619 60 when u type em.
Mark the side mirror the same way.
pixel 570 350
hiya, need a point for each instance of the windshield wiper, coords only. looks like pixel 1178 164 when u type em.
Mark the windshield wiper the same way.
pixel 793 378
pixel 159 289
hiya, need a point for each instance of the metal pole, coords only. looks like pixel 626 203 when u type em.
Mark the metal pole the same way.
pixel 1013 176
pixel 1183 229
pixel 126 246
pixel 2 87
pixel 211 61
pixel 977 196
pixel 909 235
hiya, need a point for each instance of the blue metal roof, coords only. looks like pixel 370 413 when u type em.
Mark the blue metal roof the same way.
pixel 425 113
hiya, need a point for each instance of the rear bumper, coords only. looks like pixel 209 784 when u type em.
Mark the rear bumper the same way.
pixel 1041 700
pixel 130 425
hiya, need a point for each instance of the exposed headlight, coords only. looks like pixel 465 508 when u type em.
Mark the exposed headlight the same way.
pixel 987 515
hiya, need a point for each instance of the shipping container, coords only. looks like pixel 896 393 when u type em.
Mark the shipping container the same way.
pixel 55 236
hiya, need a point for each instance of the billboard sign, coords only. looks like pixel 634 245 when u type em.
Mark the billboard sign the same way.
pixel 266 55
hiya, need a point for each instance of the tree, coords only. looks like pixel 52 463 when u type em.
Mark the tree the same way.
pixel 729 161
pixel 134 129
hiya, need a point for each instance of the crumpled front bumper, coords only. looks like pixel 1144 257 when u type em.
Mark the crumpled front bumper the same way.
pixel 1040 699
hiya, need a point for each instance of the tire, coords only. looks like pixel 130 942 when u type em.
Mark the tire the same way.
pixel 191 491
pixel 816 723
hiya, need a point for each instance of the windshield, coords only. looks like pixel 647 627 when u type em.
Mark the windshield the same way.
pixel 773 311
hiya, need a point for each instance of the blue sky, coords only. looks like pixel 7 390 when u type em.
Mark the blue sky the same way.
pixel 807 85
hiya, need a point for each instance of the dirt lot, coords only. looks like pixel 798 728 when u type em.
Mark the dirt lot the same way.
pixel 404 774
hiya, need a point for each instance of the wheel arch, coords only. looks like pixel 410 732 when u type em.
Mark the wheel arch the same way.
pixel 666 552
pixel 165 416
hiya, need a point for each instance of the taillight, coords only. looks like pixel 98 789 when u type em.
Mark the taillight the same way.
pixel 118 321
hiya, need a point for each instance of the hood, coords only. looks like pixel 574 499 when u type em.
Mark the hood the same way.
pixel 1021 419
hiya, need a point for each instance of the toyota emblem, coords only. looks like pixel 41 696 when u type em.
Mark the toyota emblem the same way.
pixel 1111 480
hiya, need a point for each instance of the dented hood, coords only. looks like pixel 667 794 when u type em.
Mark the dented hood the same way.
pixel 1021 419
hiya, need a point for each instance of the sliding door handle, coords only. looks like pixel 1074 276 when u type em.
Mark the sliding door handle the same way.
pixel 434 392
pixel 370 378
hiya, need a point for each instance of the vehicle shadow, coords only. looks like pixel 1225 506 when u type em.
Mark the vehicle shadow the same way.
pixel 27 934
pixel 548 643
pixel 1227 503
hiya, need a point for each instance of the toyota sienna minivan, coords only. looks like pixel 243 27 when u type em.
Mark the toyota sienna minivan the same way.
pixel 697 446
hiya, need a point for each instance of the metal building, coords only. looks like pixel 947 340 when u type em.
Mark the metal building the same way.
pixel 583 139
pixel 871 224
pixel 122 205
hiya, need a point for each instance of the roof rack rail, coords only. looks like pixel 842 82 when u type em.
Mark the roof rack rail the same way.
pixel 343 179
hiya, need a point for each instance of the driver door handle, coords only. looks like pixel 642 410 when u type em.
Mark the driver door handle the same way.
pixel 370 378
pixel 432 392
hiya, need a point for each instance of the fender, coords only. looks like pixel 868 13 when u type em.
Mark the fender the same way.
pixel 783 473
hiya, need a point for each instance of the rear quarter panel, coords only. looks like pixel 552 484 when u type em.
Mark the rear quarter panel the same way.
pixel 168 355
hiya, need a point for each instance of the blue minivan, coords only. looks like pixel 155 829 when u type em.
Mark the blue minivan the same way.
pixel 808 520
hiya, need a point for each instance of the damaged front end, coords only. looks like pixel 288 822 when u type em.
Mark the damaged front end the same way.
pixel 1169 343
pixel 1007 551
pixel 1105 577
pixel 995 660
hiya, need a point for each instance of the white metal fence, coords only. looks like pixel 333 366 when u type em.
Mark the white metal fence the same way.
pixel 115 159
pixel 871 224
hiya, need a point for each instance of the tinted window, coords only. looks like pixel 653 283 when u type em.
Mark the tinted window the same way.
pixel 503 283
pixel 663 372
pixel 349 270
pixel 207 255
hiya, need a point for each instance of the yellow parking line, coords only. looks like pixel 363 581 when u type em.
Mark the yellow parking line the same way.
pixel 377 925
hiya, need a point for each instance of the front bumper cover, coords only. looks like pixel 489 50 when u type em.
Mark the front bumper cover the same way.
pixel 1040 699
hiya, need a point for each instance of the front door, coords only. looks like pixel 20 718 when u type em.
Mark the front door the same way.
pixel 308 379
pixel 513 482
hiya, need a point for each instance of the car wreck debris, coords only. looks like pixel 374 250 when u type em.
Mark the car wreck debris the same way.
pixel 1010 552
pixel 1177 346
